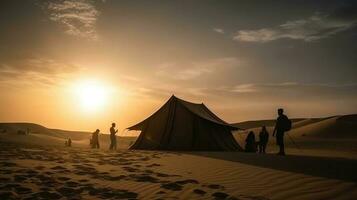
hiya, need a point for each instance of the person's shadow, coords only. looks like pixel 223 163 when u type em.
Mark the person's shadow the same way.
pixel 327 167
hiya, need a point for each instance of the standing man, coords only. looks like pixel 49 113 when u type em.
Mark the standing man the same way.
pixel 282 125
pixel 95 139
pixel 113 139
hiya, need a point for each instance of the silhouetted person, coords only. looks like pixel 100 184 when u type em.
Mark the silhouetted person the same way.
pixel 263 139
pixel 282 125
pixel 250 143
pixel 69 142
pixel 95 139
pixel 113 139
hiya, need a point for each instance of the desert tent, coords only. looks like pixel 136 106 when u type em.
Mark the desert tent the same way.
pixel 182 125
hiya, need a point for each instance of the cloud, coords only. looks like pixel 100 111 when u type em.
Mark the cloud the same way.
pixel 291 90
pixel 218 30
pixel 78 17
pixel 314 28
pixel 36 70
pixel 187 71
pixel 244 88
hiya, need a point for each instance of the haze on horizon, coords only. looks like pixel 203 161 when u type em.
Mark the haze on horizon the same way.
pixel 80 65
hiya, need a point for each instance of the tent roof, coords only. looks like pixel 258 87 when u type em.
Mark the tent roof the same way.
pixel 197 109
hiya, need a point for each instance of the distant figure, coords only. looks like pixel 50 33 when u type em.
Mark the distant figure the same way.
pixel 69 143
pixel 250 143
pixel 95 139
pixel 113 139
pixel 282 125
pixel 28 131
pixel 263 139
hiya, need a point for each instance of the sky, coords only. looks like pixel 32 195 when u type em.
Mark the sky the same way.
pixel 83 64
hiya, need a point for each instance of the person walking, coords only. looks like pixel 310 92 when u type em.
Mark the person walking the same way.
pixel 282 125
pixel 113 139
pixel 263 139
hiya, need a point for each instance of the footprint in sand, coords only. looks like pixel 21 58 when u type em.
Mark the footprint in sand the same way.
pixel 4 179
pixel 161 192
pixel 46 195
pixel 58 168
pixel 178 185
pixel 83 180
pixel 8 195
pixel 153 165
pixel 220 195
pixel 199 191
pixel 183 182
pixel 254 197
pixel 166 175
pixel 62 178
pixel 19 178
pixel 143 178
pixel 130 169
pixel 40 167
pixel 22 190
pixel 8 164
pixel 107 193
pixel 68 192
pixel 29 173
pixel 9 186
pixel 71 184
pixel 214 186
pixel 115 178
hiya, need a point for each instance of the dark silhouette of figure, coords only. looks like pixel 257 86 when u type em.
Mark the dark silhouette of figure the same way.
pixel 263 139
pixel 281 126
pixel 95 139
pixel 28 131
pixel 113 139
pixel 250 143
pixel 69 142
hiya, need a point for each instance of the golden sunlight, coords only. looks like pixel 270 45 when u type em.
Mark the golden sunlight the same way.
pixel 92 95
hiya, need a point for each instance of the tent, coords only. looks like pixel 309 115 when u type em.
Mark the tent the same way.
pixel 185 126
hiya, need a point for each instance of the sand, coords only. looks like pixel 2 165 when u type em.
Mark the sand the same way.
pixel 38 166
pixel 38 172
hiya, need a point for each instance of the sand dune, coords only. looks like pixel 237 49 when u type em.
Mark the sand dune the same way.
pixel 330 136
pixel 260 123
pixel 36 172
pixel 41 135
pixel 38 166
pixel 334 127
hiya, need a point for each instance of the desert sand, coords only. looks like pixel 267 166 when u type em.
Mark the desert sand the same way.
pixel 323 166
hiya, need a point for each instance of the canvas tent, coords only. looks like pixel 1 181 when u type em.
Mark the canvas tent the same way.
pixel 182 125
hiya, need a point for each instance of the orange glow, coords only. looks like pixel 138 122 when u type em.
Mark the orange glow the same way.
pixel 92 95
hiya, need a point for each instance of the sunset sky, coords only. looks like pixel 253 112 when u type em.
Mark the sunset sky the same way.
pixel 80 65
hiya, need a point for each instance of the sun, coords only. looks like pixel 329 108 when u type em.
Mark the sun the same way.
pixel 92 95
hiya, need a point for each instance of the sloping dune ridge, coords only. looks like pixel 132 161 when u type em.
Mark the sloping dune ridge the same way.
pixel 344 126
pixel 38 166
pixel 41 135
pixel 333 127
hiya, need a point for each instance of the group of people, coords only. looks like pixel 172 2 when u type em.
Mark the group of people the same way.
pixel 94 141
pixel 282 125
